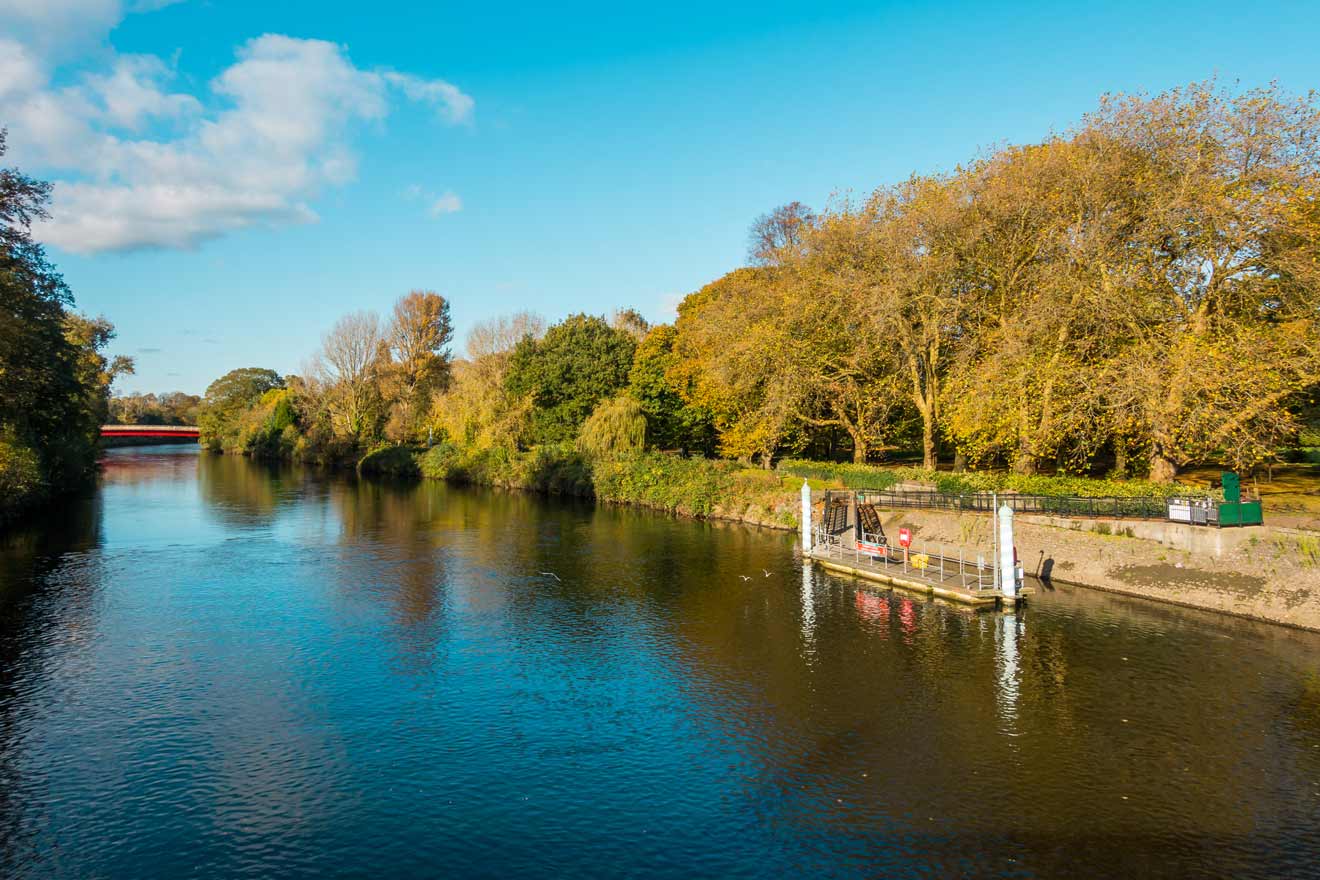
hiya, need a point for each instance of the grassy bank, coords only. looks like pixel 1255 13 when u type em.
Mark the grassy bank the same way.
pixel 697 487
pixel 700 487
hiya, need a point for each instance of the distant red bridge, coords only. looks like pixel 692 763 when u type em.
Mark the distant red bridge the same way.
pixel 148 435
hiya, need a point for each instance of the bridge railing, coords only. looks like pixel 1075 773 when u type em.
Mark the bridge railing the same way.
pixel 138 430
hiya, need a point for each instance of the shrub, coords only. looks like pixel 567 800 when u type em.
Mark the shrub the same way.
pixel 390 461
pixel 21 482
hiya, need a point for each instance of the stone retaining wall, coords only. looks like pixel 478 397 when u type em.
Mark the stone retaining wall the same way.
pixel 1262 572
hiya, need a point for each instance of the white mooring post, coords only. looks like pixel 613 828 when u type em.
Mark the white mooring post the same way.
pixel 806 518
pixel 1007 567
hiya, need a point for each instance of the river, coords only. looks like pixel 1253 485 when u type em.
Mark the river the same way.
pixel 217 668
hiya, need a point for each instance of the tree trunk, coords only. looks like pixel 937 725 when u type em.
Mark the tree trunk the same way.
pixel 959 462
pixel 1026 464
pixel 928 459
pixel 1162 470
pixel 1120 459
pixel 859 450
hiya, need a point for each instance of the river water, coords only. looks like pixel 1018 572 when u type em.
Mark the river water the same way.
pixel 216 668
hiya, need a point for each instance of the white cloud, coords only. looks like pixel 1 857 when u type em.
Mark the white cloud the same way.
pixel 446 204
pixel 449 101
pixel 59 27
pixel 131 92
pixel 146 166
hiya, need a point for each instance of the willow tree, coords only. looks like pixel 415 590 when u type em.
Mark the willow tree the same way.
pixel 617 427
pixel 474 409
pixel 1226 289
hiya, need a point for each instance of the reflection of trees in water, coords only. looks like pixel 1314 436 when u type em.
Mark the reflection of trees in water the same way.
pixel 393 540
pixel 141 466
pixel 50 575
pixel 943 709
pixel 245 492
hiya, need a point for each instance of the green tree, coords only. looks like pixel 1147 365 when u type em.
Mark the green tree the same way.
pixel 581 361
pixel 54 379
pixel 654 380
pixel 227 399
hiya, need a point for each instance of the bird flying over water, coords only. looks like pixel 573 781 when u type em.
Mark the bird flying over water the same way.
pixel 745 577
pixel 553 575
pixel 766 573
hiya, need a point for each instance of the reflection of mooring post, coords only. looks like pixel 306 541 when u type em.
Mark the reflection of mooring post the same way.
pixel 808 604
pixel 1007 564
pixel 1006 633
pixel 806 517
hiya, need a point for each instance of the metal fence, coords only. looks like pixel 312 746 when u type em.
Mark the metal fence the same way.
pixel 933 564
pixel 1052 505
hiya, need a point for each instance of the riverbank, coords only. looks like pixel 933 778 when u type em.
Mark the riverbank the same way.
pixel 695 487
pixel 1267 573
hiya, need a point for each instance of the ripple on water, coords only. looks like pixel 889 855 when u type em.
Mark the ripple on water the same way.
pixel 225 669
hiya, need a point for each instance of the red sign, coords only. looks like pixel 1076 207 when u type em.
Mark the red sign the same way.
pixel 905 537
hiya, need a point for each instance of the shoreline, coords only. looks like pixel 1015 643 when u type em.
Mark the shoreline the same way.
pixel 1261 573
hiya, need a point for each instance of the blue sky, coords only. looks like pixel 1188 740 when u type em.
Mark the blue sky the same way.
pixel 227 187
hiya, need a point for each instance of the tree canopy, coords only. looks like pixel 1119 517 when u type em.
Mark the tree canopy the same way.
pixel 1139 293
pixel 54 378
pixel 580 361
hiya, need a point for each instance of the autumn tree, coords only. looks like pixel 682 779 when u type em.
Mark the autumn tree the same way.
pixel 476 410
pixel 730 365
pixel 227 399
pixel 912 241
pixel 825 314
pixel 630 321
pixel 1225 298
pixel 418 361
pixel 348 368
pixel 776 235
pixel 1052 227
